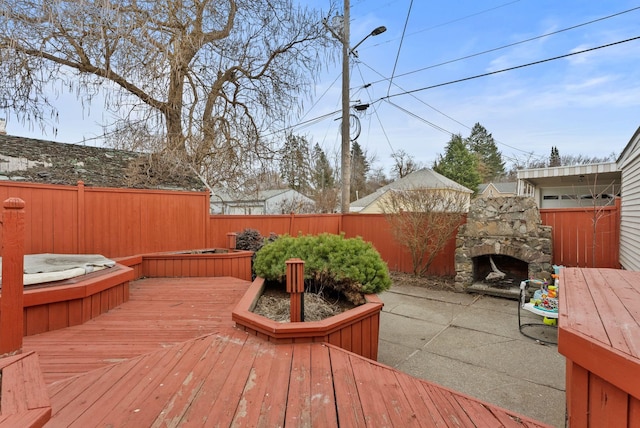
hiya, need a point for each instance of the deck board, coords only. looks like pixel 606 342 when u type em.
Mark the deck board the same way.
pixel 599 334
pixel 175 359
pixel 156 316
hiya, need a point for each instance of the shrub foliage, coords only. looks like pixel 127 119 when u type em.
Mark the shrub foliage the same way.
pixel 350 266
pixel 249 239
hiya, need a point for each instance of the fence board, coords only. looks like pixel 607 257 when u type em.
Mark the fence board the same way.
pixel 574 236
pixel 266 224
pixel 115 222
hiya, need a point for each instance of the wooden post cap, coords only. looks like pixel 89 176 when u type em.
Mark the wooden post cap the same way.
pixel 14 204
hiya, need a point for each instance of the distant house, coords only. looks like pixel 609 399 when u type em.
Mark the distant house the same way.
pixel 629 165
pixel 493 190
pixel 42 161
pixel 422 179
pixel 571 186
pixel 274 201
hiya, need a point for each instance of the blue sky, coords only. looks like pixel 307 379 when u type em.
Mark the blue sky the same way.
pixel 586 104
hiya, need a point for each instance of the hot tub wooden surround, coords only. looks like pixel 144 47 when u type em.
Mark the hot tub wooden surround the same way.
pixel 599 334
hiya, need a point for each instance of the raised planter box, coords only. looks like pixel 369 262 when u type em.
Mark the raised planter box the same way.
pixel 355 330
pixel 198 263
pixel 74 301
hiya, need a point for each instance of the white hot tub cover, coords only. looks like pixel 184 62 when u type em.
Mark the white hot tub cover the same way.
pixel 40 268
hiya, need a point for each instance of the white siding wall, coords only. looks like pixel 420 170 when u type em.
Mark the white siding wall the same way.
pixel 630 214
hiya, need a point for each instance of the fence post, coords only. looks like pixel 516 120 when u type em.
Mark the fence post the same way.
pixel 295 286
pixel 80 246
pixel 11 306
pixel 231 240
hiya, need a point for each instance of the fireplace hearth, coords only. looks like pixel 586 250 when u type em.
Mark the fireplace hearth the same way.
pixel 502 243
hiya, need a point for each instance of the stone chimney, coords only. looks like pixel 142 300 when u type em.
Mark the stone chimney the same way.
pixel 3 126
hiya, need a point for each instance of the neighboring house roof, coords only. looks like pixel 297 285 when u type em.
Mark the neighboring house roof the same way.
pixel 260 195
pixel 42 161
pixel 423 178
pixel 630 151
pixel 558 175
pixel 503 188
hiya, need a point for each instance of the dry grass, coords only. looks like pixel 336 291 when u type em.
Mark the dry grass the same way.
pixel 444 283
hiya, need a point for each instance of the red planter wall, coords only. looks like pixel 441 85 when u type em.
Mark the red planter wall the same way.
pixel 355 330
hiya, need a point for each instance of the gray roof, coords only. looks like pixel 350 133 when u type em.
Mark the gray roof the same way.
pixel 261 195
pixel 42 161
pixel 423 178
pixel 508 187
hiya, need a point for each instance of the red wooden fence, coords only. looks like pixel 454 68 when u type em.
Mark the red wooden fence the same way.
pixel 279 224
pixel 575 238
pixel 112 222
pixel 124 222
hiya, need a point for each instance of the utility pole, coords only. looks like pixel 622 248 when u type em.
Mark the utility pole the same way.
pixel 345 165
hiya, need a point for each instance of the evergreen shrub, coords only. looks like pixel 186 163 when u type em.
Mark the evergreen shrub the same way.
pixel 349 266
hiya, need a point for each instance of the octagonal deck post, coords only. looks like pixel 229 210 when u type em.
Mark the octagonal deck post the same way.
pixel 11 305
pixel 295 286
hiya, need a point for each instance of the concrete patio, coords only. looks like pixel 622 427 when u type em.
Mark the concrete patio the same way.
pixel 471 343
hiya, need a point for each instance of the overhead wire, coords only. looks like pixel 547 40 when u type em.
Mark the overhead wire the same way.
pixel 375 112
pixel 529 64
pixel 445 23
pixel 552 33
pixel 412 92
pixel 443 114
pixel 404 30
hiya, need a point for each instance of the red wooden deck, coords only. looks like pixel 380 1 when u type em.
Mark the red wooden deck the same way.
pixel 171 357
pixel 160 312
pixel 599 334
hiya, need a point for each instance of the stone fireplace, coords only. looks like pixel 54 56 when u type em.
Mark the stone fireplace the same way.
pixel 502 243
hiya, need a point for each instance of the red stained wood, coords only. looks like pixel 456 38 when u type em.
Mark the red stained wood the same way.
pixel 12 252
pixel 74 301
pixel 236 264
pixel 345 330
pixel 572 230
pixel 599 333
pixel 145 363
pixel 299 410
pixel 155 316
pixel 124 222
pixel 24 401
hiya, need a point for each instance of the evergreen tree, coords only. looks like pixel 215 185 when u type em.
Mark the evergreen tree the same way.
pixel 322 174
pixel 359 170
pixel 482 144
pixel 294 164
pixel 554 158
pixel 459 164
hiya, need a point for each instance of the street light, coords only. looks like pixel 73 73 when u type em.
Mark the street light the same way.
pixel 345 164
pixel 381 29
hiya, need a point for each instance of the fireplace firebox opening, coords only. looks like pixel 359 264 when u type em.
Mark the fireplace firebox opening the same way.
pixel 514 270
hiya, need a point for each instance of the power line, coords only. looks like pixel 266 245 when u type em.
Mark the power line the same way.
pixel 477 76
pixel 411 92
pixel 404 30
pixel 446 115
pixel 448 22
pixel 511 44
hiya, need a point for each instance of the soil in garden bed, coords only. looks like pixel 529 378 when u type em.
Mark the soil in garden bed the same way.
pixel 274 304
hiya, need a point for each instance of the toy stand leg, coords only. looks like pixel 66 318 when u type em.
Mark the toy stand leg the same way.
pixel 547 334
